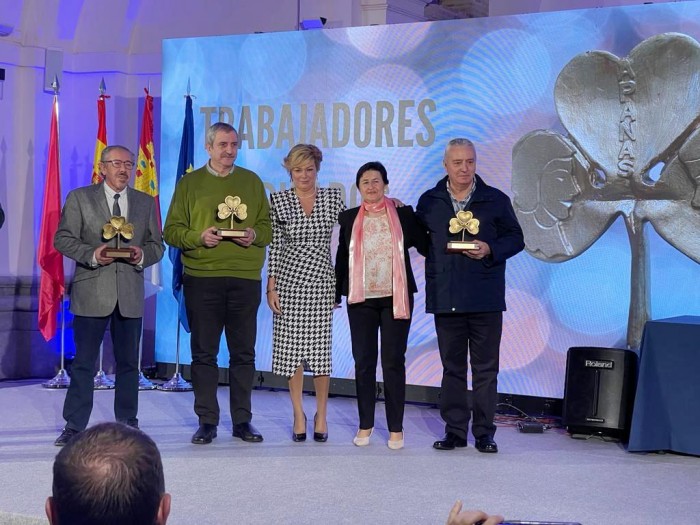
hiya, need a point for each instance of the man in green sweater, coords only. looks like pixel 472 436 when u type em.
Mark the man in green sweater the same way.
pixel 222 277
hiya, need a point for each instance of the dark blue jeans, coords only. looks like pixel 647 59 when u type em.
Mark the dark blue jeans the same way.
pixel 88 333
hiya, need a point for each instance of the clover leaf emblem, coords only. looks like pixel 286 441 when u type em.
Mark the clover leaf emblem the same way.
pixel 117 226
pixel 623 118
pixel 232 207
pixel 464 221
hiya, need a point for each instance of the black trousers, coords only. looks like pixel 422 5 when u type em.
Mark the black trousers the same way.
pixel 88 333
pixel 472 338
pixel 216 304
pixel 367 319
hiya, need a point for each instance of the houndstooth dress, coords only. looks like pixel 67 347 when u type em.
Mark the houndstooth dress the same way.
pixel 300 261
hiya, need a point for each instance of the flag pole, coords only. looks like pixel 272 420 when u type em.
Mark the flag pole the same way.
pixel 61 379
pixel 144 384
pixel 101 381
pixel 176 383
pixel 146 181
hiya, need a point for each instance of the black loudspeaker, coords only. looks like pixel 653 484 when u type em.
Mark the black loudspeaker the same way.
pixel 599 391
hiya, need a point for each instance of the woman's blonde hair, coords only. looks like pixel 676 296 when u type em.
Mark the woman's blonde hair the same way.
pixel 300 154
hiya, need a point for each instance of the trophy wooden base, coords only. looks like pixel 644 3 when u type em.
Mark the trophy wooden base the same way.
pixel 117 253
pixel 228 233
pixel 460 246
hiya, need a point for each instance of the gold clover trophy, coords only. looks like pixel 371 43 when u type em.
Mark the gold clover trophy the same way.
pixel 118 227
pixel 463 222
pixel 232 207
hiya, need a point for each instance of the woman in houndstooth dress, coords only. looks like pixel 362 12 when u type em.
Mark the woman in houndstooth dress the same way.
pixel 301 283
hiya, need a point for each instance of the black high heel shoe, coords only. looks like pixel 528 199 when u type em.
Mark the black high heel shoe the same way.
pixel 301 436
pixel 321 437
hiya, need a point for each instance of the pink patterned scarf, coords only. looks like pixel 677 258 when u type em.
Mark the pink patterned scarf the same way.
pixel 357 261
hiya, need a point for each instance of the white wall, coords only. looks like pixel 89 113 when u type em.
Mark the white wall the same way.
pixel 120 41
pixel 514 7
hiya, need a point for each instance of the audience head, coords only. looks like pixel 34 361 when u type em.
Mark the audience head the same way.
pixel 109 474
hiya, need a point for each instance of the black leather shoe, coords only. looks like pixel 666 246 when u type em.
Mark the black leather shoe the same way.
pixel 297 438
pixel 247 432
pixel 487 445
pixel 449 442
pixel 205 433
pixel 321 437
pixel 65 436
pixel 131 422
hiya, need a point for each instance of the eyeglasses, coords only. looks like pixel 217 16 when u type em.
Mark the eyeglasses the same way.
pixel 120 163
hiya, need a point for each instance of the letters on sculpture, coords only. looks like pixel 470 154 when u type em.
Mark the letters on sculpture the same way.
pixel 623 117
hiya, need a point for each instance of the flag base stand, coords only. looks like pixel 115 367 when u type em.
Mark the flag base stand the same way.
pixel 60 380
pixel 102 382
pixel 145 384
pixel 176 384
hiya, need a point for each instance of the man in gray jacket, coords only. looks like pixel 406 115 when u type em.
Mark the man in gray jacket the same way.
pixel 105 289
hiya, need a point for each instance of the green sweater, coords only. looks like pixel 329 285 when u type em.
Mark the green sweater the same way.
pixel 194 209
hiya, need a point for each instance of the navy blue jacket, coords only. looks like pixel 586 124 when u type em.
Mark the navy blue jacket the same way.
pixel 455 283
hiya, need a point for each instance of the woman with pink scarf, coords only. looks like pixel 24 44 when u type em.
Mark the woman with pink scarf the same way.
pixel 373 269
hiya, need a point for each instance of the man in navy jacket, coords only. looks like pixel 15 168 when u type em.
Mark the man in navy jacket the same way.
pixel 466 292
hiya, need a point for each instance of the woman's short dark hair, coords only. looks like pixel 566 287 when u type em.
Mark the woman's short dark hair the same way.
pixel 374 165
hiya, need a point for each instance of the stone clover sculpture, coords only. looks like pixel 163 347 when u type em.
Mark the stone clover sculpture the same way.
pixel 623 118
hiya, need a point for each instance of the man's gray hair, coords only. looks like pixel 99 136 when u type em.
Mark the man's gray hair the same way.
pixel 458 142
pixel 110 149
pixel 215 128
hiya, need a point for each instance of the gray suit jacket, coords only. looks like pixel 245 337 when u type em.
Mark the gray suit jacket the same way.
pixel 96 291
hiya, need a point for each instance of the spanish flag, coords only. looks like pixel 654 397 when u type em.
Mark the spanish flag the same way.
pixel 101 142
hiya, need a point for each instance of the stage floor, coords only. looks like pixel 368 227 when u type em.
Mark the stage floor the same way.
pixel 535 476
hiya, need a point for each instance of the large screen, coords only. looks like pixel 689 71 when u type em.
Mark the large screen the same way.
pixel 397 94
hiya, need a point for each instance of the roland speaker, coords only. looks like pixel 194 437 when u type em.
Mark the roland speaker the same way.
pixel 599 391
